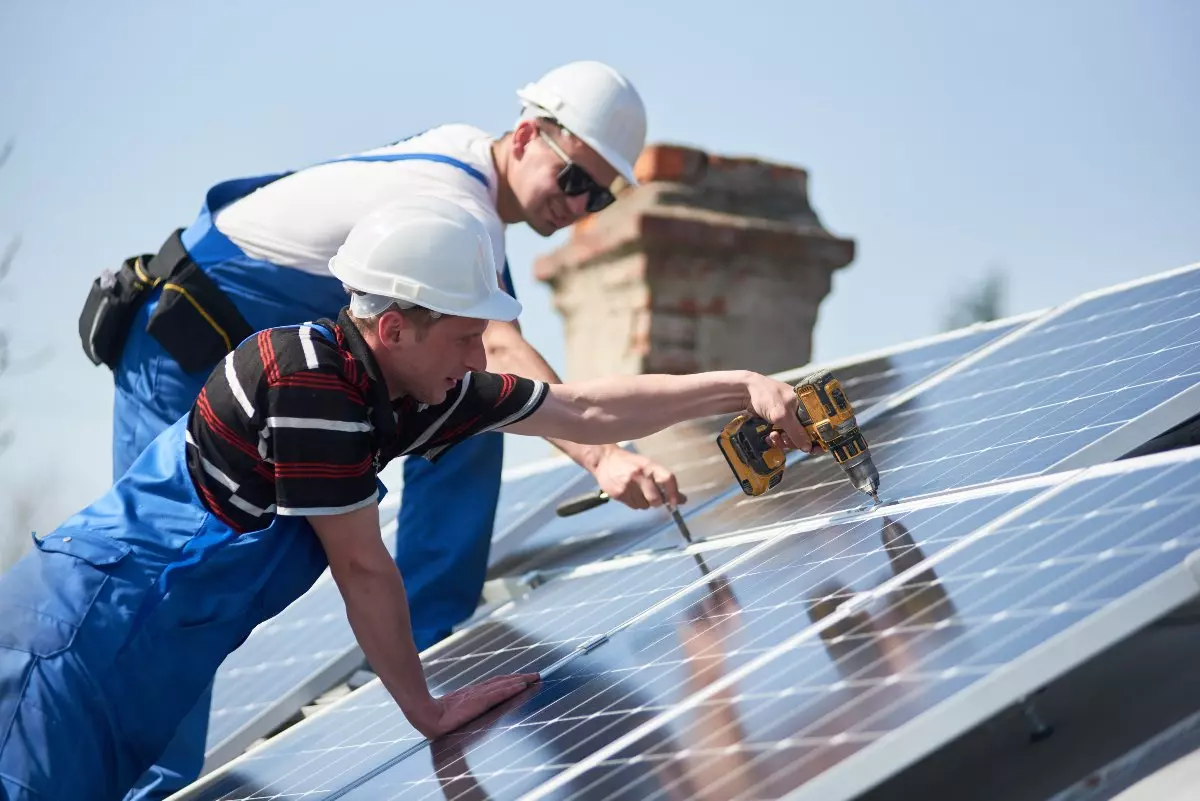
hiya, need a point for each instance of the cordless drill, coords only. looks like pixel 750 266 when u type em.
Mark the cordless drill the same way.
pixel 828 419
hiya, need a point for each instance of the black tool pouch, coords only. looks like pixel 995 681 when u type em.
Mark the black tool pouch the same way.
pixel 194 321
pixel 109 309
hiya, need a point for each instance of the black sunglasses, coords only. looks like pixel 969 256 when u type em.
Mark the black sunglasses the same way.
pixel 574 180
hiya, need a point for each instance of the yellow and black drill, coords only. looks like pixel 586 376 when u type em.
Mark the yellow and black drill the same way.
pixel 828 419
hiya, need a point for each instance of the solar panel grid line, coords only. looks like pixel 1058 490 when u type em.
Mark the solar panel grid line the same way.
pixel 837 616
pixel 1026 420
pixel 796 373
pixel 744 650
pixel 283 708
pixel 1049 318
pixel 865 414
pixel 322 717
pixel 1136 432
pixel 1140 281
pixel 913 673
pixel 371 774
pixel 670 599
pixel 295 731
pixel 1079 372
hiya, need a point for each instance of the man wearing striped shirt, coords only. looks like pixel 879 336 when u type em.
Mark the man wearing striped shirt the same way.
pixel 117 621
pixel 294 411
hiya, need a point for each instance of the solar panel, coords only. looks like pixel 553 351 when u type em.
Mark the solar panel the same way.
pixel 525 491
pixel 874 377
pixel 804 661
pixel 559 621
pixel 890 671
pixel 1082 385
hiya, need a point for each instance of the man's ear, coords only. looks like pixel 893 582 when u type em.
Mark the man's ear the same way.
pixel 522 135
pixel 391 327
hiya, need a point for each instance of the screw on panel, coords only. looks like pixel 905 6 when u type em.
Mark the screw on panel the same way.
pixel 1039 729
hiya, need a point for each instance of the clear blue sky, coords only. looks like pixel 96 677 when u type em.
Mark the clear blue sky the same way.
pixel 1056 140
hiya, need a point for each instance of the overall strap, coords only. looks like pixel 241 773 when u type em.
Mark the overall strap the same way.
pixel 323 331
pixel 435 157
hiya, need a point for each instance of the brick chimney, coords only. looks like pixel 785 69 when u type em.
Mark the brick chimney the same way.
pixel 711 263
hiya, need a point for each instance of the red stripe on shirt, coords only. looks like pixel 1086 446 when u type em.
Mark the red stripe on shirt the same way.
pixel 210 501
pixel 220 429
pixel 507 385
pixel 323 382
pixel 266 352
pixel 323 469
pixel 459 429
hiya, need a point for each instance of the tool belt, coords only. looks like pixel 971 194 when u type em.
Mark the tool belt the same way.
pixel 194 321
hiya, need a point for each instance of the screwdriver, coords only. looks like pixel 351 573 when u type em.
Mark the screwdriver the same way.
pixel 596 498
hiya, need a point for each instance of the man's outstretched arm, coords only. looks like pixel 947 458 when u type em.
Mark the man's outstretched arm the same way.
pixel 629 407
pixel 377 609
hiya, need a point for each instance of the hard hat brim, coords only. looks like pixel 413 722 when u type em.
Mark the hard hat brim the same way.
pixel 500 306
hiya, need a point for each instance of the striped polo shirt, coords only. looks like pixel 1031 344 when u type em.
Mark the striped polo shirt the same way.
pixel 294 422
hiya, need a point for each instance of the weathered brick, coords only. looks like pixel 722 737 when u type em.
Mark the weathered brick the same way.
pixel 713 262
pixel 670 163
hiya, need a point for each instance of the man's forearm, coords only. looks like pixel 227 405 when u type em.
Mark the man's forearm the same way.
pixel 377 609
pixel 631 407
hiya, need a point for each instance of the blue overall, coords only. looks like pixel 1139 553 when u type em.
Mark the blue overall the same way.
pixel 443 542
pixel 117 621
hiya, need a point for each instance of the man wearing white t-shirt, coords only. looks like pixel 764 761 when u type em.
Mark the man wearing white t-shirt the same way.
pixel 257 257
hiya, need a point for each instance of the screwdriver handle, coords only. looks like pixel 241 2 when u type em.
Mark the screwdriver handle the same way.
pixel 581 503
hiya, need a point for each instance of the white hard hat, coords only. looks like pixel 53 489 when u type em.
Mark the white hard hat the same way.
pixel 597 104
pixel 425 251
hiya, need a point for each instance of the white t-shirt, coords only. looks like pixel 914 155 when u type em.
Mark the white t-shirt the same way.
pixel 301 220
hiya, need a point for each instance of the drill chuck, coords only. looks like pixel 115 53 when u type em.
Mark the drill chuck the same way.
pixel 863 474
